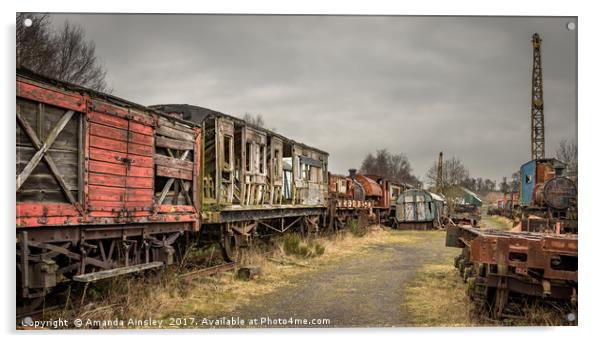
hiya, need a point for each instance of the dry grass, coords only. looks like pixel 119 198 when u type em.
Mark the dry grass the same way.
pixel 164 294
pixel 541 313
pixel 496 222
pixel 437 297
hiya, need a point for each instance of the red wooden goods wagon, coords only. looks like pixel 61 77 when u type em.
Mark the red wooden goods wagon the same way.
pixel 102 181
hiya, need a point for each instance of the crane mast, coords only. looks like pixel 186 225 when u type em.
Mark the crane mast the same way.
pixel 439 183
pixel 537 119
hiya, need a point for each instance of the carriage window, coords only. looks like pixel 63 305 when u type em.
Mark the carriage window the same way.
pixel 262 159
pixel 277 159
pixel 305 169
pixel 248 157
pixel 227 150
pixel 527 178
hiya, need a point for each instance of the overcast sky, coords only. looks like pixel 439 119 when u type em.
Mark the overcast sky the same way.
pixel 351 85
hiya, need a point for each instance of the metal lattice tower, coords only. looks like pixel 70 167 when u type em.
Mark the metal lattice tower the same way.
pixel 439 184
pixel 537 120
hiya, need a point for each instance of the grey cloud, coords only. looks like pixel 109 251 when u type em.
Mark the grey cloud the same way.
pixel 350 85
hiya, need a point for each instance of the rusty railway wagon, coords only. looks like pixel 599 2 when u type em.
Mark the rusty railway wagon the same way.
pixel 107 187
pixel 499 265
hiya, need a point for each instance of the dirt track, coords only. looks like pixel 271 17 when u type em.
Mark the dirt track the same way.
pixel 365 289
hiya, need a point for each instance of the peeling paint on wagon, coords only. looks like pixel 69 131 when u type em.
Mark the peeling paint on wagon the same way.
pixel 117 163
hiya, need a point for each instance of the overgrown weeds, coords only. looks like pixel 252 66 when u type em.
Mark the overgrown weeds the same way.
pixel 293 244
pixel 356 228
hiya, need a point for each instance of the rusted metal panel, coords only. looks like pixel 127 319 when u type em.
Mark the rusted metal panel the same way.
pixel 554 255
pixel 371 187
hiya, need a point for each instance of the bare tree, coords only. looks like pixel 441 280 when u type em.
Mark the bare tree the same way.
pixel 454 173
pixel 65 54
pixel 567 153
pixel 256 119
pixel 393 167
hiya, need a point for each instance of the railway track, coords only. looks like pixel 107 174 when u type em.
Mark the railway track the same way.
pixel 24 312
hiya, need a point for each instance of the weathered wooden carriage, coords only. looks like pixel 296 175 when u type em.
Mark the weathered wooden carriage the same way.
pixel 254 181
pixel 103 184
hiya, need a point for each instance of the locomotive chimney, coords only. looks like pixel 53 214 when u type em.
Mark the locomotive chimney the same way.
pixel 352 173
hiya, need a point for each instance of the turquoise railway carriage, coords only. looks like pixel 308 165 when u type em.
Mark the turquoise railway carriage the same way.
pixel 420 209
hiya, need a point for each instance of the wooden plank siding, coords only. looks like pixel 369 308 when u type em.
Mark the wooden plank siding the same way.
pixel 109 156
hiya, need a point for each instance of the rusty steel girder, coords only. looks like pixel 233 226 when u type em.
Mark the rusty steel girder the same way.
pixel 540 255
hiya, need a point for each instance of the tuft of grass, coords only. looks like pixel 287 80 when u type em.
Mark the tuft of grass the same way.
pixel 319 249
pixel 292 244
pixel 356 228
pixel 437 297
pixel 496 222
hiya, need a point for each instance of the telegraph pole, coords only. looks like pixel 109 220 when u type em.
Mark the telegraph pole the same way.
pixel 439 184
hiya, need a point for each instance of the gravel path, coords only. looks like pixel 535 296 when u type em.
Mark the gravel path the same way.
pixel 364 290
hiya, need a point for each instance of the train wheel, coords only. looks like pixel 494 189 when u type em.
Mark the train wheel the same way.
pixel 231 243
pixel 230 248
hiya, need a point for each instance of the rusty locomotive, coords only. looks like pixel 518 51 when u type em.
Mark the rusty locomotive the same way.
pixel 106 187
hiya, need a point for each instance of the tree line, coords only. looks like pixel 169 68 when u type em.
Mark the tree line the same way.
pixel 395 167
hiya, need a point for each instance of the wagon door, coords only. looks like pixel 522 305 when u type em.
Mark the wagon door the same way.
pixel 48 160
pixel 254 165
pixel 421 210
pixel 276 171
pixel 409 208
pixel 120 173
